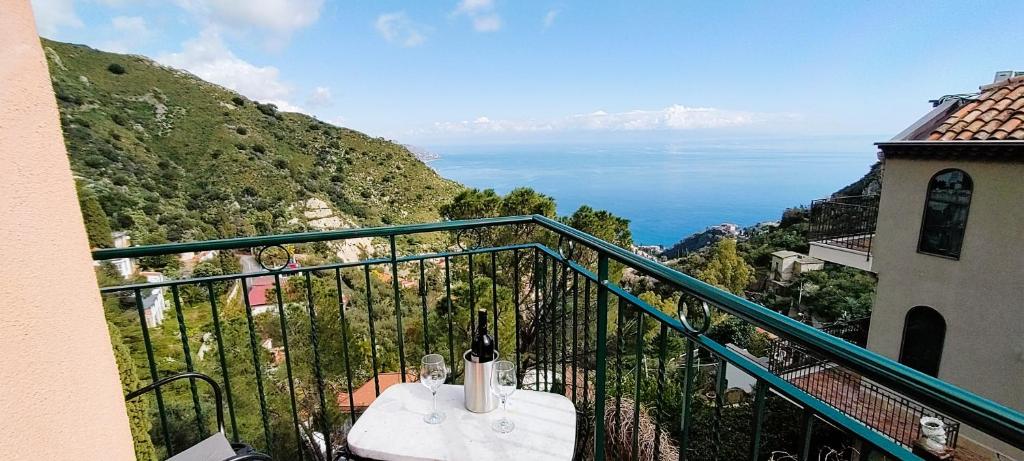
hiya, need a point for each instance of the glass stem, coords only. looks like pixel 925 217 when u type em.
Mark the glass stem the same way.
pixel 434 393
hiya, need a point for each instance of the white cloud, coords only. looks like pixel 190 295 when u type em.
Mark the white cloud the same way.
pixel 398 28
pixel 130 32
pixel 208 57
pixel 487 23
pixel 134 25
pixel 319 97
pixel 474 6
pixel 481 14
pixel 549 18
pixel 274 20
pixel 52 15
pixel 672 118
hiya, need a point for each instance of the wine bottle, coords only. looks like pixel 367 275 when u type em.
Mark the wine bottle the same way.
pixel 483 344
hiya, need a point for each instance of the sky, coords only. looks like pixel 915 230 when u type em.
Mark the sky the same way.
pixel 501 71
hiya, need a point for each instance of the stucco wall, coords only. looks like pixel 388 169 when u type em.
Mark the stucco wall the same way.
pixel 980 296
pixel 59 388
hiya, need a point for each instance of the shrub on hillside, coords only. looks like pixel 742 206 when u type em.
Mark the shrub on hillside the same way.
pixel 267 109
pixel 241 130
pixel 238 101
pixel 116 69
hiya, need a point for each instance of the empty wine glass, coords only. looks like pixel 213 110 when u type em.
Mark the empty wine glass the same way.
pixel 503 384
pixel 432 374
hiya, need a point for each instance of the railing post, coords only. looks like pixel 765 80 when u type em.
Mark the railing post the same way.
pixel 398 305
pixel 602 355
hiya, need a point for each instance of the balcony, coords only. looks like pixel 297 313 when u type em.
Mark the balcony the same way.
pixel 842 229
pixel 646 377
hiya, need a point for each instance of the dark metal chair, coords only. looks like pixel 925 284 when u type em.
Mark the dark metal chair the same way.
pixel 215 446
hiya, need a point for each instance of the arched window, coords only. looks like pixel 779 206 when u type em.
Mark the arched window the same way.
pixel 924 331
pixel 945 213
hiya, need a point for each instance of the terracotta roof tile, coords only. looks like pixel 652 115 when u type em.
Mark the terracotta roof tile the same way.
pixel 996 113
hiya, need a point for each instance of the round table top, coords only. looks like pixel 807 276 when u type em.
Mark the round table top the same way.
pixel 392 428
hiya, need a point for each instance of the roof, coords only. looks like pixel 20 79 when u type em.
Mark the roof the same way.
pixel 258 287
pixel 366 394
pixel 995 114
pixel 787 254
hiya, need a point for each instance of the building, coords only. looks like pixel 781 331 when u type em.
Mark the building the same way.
pixel 125 266
pixel 948 243
pixel 154 304
pixel 364 395
pixel 788 264
pixel 260 294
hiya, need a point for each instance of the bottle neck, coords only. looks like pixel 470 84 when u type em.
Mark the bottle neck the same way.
pixel 481 323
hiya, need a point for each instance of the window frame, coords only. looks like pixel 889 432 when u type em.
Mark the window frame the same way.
pixel 924 214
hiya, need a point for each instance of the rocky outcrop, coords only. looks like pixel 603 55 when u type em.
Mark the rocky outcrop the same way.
pixel 702 239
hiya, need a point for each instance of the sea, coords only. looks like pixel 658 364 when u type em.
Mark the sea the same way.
pixel 668 190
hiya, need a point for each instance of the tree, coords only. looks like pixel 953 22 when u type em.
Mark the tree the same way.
pixel 726 269
pixel 138 417
pixel 97 227
pixel 601 224
pixel 158 262
pixel 837 293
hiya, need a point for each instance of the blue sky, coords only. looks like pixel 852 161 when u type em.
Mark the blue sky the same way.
pixel 482 71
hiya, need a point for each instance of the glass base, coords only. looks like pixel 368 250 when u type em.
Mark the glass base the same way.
pixel 434 418
pixel 503 426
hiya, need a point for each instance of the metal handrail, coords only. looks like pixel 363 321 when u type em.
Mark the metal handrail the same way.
pixel 991 417
pixel 984 414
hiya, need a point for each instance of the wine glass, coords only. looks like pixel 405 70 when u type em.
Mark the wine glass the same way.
pixel 503 384
pixel 432 374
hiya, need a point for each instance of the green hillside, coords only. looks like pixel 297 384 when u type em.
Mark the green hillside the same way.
pixel 170 156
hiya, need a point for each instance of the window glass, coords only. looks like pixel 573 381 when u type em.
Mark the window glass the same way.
pixel 945 213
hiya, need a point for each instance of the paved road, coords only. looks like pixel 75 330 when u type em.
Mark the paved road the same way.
pixel 249 264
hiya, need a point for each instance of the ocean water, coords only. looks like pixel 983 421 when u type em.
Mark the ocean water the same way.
pixel 667 191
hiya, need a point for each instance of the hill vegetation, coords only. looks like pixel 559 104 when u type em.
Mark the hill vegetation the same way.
pixel 170 157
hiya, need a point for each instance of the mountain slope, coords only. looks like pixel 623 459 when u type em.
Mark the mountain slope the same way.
pixel 170 156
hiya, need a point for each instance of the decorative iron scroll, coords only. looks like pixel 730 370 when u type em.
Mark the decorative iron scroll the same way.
pixel 682 309
pixel 273 267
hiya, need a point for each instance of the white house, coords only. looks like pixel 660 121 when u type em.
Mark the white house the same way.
pixel 788 264
pixel 154 304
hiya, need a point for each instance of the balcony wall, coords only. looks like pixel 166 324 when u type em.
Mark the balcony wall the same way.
pixel 59 389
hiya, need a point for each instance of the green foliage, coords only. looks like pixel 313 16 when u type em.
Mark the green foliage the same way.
pixel 116 69
pixel 138 417
pixel 837 293
pixel 267 109
pixel 158 150
pixel 727 329
pixel 97 228
pixel 726 269
pixel 601 224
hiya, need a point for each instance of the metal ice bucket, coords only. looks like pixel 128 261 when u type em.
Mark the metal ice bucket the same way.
pixel 477 385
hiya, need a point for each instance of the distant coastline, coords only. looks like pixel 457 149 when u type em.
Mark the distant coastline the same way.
pixel 667 192
pixel 422 154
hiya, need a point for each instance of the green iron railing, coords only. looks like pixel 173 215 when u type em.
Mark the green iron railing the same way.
pixel 556 309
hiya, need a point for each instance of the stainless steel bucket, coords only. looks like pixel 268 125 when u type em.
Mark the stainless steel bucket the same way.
pixel 477 385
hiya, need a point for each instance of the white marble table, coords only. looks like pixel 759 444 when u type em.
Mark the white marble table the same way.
pixel 392 428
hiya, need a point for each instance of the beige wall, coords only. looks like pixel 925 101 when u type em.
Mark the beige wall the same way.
pixel 59 388
pixel 980 296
